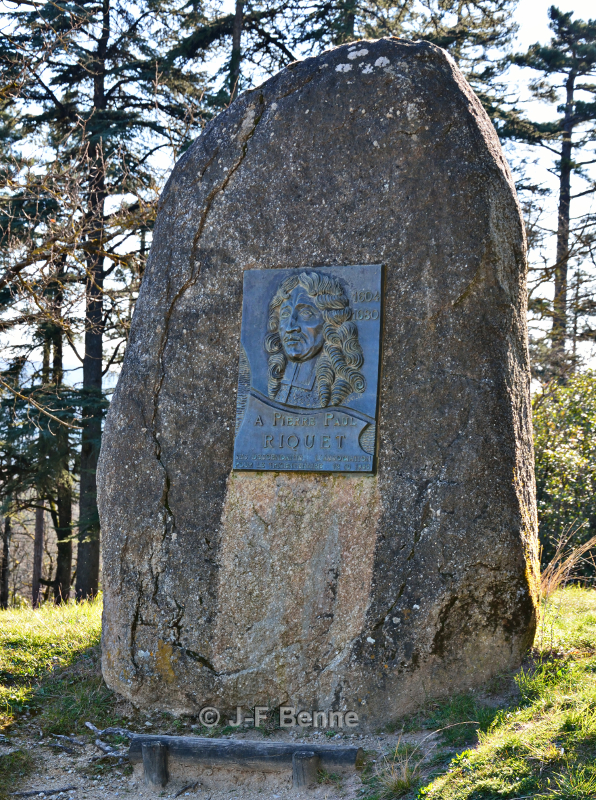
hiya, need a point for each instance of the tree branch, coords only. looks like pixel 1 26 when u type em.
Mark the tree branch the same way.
pixel 37 406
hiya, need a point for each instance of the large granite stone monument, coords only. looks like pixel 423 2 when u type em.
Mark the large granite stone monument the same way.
pixel 316 480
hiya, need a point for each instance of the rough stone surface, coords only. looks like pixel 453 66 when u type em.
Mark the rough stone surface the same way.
pixel 364 593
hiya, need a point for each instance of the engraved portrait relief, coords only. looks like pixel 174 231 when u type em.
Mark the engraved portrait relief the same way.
pixel 314 355
pixel 308 369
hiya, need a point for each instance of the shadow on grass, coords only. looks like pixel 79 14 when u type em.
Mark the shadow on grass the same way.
pixel 64 700
pixel 13 768
pixel 50 677
pixel 457 720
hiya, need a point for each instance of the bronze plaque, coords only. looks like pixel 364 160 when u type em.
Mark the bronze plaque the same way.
pixel 309 369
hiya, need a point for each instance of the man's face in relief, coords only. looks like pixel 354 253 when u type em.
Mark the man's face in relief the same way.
pixel 300 326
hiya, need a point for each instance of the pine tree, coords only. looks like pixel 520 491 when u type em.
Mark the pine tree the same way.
pixel 39 453
pixel 565 68
pixel 86 87
pixel 476 33
pixel 255 38
pixel 328 23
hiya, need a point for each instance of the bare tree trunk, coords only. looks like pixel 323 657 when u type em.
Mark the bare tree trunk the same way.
pixel 37 556
pixel 560 326
pixel 88 551
pixel 575 325
pixel 236 53
pixel 5 571
pixel 64 535
pixel 87 584
pixel 64 483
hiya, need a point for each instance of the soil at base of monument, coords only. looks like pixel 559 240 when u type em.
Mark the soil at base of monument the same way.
pixel 51 685
pixel 50 769
pixel 539 735
pixel 97 780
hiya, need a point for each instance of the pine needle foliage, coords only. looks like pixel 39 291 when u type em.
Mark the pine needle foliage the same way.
pixel 90 102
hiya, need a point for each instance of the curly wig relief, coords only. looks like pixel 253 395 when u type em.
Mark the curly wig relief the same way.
pixel 338 366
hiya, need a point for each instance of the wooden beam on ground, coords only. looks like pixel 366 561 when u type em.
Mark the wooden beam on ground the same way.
pixel 248 755
pixel 305 769
pixel 155 762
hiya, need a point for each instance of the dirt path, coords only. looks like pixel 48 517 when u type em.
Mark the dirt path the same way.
pixel 81 775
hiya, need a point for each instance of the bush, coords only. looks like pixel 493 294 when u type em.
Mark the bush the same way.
pixel 565 445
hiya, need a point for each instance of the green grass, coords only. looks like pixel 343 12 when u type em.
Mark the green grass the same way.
pixel 49 661
pixel 13 768
pixel 35 643
pixel 543 746
pixel 329 778
pixel 569 623
pixel 460 719
pixel 49 677
pixel 530 736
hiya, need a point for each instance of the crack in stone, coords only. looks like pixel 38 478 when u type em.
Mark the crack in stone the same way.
pixel 208 164
pixel 133 629
pixel 465 293
pixel 192 279
pixel 176 623
pixel 169 520
pixel 296 88
pixel 409 133
pixel 378 625
pixel 256 513
pixel 200 659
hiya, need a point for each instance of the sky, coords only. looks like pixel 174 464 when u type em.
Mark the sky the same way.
pixel 532 17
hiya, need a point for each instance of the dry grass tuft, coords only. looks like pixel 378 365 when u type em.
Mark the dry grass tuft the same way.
pixel 399 774
pixel 397 780
pixel 567 562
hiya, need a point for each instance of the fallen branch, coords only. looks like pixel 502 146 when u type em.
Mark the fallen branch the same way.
pixel 106 748
pixel 68 739
pixel 186 788
pixel 117 732
pixel 58 746
pixel 45 791
pixel 121 759
pixel 110 731
pixel 92 727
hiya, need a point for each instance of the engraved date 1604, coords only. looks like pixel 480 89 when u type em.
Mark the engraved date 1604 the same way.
pixel 365 297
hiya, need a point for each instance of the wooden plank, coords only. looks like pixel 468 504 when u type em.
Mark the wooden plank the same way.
pixel 250 755
pixel 305 769
pixel 155 762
